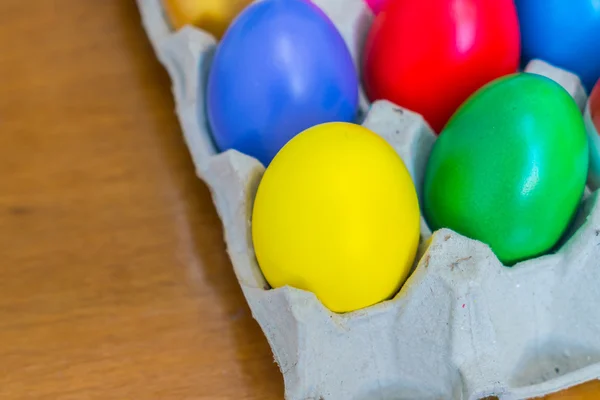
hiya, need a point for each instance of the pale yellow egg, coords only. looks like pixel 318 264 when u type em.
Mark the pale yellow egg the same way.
pixel 213 16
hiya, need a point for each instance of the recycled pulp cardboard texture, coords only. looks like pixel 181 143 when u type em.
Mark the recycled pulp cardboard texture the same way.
pixel 462 327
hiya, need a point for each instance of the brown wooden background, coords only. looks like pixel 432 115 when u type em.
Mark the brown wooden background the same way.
pixel 114 282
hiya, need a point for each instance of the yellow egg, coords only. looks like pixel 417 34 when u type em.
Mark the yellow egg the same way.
pixel 213 16
pixel 336 213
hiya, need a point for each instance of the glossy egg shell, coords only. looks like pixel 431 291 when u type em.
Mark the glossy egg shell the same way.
pixel 592 124
pixel 376 5
pixel 594 102
pixel 336 214
pixel 429 56
pixel 563 33
pixel 213 16
pixel 510 167
pixel 281 68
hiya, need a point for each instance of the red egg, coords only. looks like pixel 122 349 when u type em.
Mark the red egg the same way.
pixel 429 56
pixel 595 106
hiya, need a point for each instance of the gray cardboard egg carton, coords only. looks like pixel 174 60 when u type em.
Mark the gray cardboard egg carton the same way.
pixel 462 326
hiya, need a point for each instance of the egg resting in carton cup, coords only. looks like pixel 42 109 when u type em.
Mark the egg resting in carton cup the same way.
pixel 462 327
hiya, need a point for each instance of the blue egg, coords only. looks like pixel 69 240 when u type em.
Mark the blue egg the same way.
pixel 565 33
pixel 280 68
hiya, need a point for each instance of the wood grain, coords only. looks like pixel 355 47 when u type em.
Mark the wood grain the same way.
pixel 114 281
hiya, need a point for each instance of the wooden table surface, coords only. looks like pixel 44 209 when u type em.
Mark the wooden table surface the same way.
pixel 114 281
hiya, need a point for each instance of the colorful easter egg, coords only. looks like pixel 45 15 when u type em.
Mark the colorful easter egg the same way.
pixel 592 125
pixel 281 68
pixel 376 5
pixel 429 56
pixel 336 214
pixel 563 33
pixel 213 16
pixel 510 167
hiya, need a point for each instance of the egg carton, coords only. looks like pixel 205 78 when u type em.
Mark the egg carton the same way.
pixel 463 326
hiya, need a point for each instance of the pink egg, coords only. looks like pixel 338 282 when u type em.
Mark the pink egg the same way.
pixel 595 106
pixel 376 5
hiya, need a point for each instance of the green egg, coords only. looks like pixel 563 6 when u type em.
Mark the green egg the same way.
pixel 509 169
